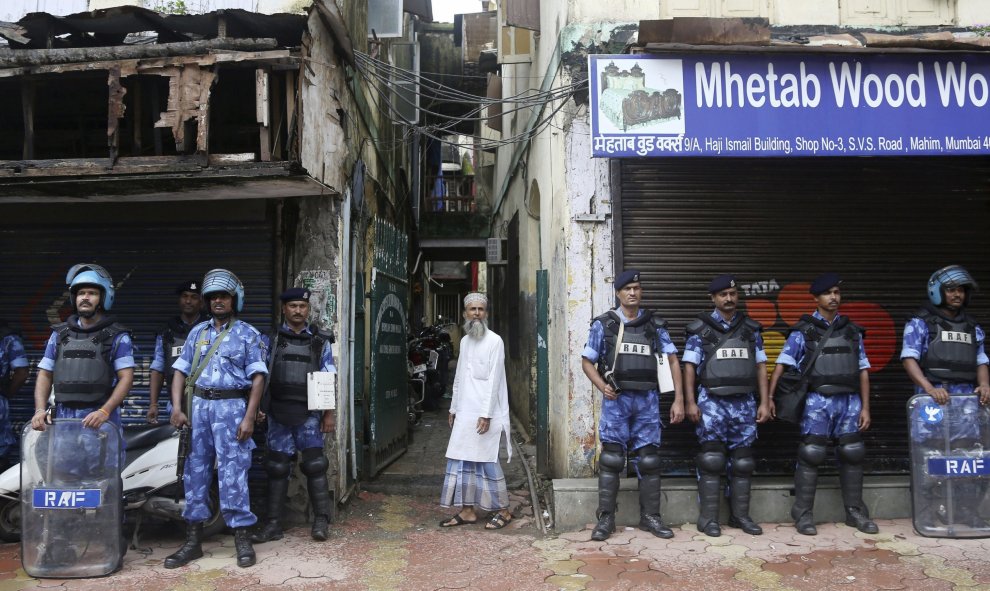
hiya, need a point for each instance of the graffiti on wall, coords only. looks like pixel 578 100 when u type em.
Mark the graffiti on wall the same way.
pixel 779 307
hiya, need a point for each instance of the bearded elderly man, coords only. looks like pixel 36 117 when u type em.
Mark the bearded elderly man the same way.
pixel 479 415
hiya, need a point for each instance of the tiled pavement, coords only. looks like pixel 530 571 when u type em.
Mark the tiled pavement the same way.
pixel 393 542
pixel 390 540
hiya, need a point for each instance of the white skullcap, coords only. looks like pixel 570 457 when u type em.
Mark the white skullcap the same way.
pixel 475 296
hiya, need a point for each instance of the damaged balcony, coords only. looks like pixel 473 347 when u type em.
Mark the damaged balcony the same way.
pixel 103 94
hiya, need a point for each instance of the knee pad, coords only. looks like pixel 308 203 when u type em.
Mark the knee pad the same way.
pixel 851 449
pixel 612 459
pixel 313 463
pixel 278 465
pixel 812 450
pixel 711 459
pixel 743 463
pixel 649 460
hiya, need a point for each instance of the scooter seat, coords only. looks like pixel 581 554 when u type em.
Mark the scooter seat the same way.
pixel 139 436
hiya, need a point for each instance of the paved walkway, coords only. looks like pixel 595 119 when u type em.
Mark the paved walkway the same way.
pixel 389 542
pixel 388 539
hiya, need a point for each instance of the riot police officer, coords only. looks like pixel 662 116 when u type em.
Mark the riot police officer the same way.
pixel 89 358
pixel 943 354
pixel 297 349
pixel 724 349
pixel 837 405
pixel 168 342
pixel 13 374
pixel 621 360
pixel 225 359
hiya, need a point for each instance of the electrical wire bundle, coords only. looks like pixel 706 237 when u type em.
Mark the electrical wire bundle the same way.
pixel 384 78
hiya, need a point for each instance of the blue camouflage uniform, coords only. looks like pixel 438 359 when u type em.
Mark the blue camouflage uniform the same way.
pixel 828 416
pixel 121 357
pixel 964 424
pixel 214 423
pixel 632 420
pixel 286 439
pixel 729 419
pixel 12 357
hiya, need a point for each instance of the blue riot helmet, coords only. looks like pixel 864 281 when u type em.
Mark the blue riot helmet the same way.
pixel 91 274
pixel 225 281
pixel 951 276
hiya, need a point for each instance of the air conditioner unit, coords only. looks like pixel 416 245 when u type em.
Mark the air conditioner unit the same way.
pixel 495 253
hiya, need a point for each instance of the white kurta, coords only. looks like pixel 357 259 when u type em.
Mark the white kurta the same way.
pixel 479 391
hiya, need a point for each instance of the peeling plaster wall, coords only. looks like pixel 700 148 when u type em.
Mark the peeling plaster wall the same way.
pixel 324 111
pixel 589 265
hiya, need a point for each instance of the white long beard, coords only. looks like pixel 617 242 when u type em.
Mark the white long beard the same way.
pixel 475 328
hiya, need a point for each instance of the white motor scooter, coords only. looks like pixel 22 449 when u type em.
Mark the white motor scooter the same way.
pixel 150 484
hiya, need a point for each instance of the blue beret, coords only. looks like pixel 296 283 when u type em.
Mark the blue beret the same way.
pixel 823 283
pixel 192 285
pixel 721 282
pixel 625 278
pixel 295 293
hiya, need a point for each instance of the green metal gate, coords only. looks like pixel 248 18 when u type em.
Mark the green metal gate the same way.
pixel 388 434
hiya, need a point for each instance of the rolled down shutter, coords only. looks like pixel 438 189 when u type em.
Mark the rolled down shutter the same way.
pixel 884 224
pixel 147 259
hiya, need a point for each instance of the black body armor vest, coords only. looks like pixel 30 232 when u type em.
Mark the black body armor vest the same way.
pixel 173 338
pixel 951 355
pixel 295 356
pixel 636 365
pixel 83 373
pixel 730 366
pixel 836 370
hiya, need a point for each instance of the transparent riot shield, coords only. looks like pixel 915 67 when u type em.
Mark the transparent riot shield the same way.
pixel 950 466
pixel 71 503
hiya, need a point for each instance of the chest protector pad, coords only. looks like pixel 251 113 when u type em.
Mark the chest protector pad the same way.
pixel 83 372
pixel 730 354
pixel 836 370
pixel 636 364
pixel 951 354
pixel 295 356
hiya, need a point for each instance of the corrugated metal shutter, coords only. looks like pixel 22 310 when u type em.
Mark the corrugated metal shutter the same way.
pixel 884 224
pixel 149 257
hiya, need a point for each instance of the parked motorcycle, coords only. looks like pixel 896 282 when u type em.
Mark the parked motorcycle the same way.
pixel 431 346
pixel 150 485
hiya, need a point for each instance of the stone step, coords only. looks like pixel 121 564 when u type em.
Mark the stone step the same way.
pixel 575 500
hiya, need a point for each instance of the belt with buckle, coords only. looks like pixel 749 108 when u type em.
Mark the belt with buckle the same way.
pixel 217 394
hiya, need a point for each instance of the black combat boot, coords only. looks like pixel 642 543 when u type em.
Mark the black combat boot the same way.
pixel 805 485
pixel 709 487
pixel 243 547
pixel 319 497
pixel 271 529
pixel 649 507
pixel 739 506
pixel 189 551
pixel 608 490
pixel 851 482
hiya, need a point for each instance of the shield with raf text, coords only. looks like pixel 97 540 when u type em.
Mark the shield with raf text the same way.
pixel 71 502
pixel 950 466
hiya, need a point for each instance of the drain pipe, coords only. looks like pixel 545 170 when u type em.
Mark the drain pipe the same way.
pixel 347 328
pixel 537 511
